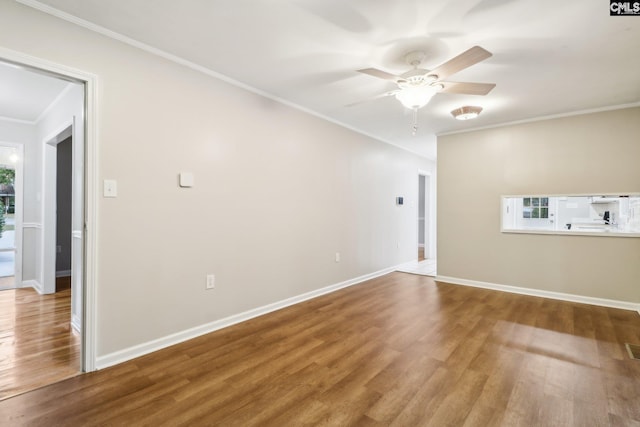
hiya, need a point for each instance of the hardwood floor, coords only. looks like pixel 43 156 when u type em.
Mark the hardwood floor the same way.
pixel 63 283
pixel 399 350
pixel 37 345
pixel 421 254
pixel 7 282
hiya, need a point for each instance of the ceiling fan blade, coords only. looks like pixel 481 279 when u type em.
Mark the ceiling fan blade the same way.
pixel 462 61
pixel 381 74
pixel 382 95
pixel 467 88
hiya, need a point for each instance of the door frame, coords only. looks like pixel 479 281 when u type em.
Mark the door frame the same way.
pixel 429 213
pixel 18 204
pixel 49 205
pixel 91 190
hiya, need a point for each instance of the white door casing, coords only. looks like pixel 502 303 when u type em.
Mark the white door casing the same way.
pixel 87 236
pixel 429 215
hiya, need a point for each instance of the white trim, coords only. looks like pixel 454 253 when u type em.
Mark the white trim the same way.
pixel 621 193
pixel 89 335
pixel 123 355
pixel 542 118
pixel 20 121
pixel 431 218
pixel 64 131
pixel 91 188
pixel 625 305
pixel 48 208
pixel 31 225
pixel 197 67
pixel 32 284
pixel 63 273
pixel 606 233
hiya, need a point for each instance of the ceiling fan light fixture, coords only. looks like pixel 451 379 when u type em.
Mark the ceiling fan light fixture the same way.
pixel 415 97
pixel 466 112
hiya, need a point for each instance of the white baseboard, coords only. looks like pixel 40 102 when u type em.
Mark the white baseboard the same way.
pixel 625 305
pixel 33 284
pixel 421 245
pixel 63 273
pixel 178 337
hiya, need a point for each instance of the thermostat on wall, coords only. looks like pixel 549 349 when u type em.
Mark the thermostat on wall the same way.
pixel 399 201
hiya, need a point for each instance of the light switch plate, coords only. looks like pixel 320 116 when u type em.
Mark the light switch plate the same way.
pixel 186 179
pixel 110 188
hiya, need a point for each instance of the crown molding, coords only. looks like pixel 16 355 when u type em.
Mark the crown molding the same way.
pixel 543 118
pixel 197 67
pixel 20 121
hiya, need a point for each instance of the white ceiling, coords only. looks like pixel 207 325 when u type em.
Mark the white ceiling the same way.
pixel 549 57
pixel 25 95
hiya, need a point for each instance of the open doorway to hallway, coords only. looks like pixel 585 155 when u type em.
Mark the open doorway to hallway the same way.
pixel 422 219
pixel 425 263
pixel 41 328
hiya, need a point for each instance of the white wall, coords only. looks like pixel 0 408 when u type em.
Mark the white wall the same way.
pixel 277 191
pixel 587 154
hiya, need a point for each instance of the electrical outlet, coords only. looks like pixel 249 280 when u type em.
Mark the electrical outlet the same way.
pixel 337 256
pixel 211 281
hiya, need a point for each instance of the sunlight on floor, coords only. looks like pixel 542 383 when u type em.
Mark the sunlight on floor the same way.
pixel 423 268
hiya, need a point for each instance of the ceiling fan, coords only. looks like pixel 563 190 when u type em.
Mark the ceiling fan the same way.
pixel 417 86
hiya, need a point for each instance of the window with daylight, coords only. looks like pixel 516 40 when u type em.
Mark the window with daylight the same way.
pixel 535 207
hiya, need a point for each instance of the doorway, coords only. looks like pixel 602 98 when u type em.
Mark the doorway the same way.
pixel 64 190
pixel 72 110
pixel 425 261
pixel 427 264
pixel 422 221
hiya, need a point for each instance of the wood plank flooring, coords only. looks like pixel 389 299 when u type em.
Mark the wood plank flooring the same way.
pixel 7 282
pixel 37 345
pixel 399 350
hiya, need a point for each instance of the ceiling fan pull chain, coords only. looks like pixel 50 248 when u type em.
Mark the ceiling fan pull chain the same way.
pixel 415 121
